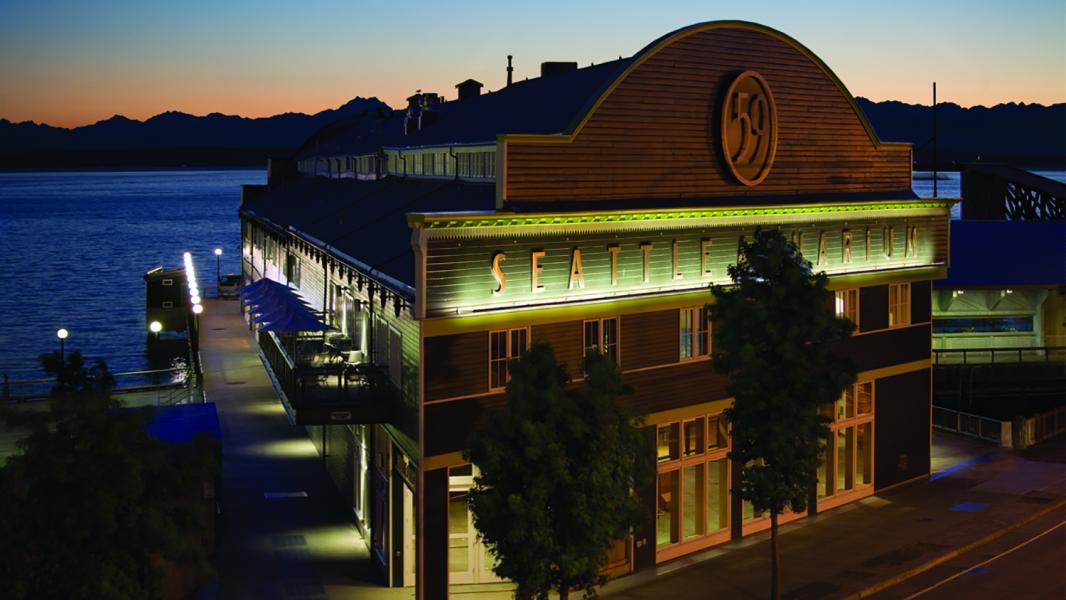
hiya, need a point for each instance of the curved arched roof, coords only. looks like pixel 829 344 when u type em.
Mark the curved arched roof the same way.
pixel 557 105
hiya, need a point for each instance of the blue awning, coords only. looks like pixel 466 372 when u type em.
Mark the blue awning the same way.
pixel 280 308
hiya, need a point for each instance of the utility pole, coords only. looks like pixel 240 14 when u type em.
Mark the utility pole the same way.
pixel 934 142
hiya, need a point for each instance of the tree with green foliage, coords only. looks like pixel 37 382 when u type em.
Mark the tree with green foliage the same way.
pixel 774 336
pixel 73 377
pixel 558 469
pixel 93 506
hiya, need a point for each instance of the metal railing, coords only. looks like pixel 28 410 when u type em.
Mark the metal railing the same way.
pixel 1042 427
pixel 159 386
pixel 995 356
pixel 968 424
pixel 349 392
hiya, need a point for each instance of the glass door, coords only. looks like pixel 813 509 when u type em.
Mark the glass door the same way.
pixel 469 561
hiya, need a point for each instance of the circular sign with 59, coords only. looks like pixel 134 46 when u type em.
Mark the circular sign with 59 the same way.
pixel 749 128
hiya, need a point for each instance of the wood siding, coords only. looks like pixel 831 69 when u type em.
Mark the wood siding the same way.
pixel 655 134
pixel 650 339
pixel 873 308
pixel 567 340
pixel 456 365
pixel 901 437
pixel 889 347
pixel 673 387
pixel 434 534
pixel 921 301
pixel 448 424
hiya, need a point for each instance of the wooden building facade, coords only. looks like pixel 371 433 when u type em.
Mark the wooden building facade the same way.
pixel 604 229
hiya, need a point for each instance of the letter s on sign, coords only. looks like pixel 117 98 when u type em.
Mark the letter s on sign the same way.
pixel 497 273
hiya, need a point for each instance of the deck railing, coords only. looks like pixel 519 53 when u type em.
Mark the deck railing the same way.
pixel 156 386
pixel 969 424
pixel 335 392
pixel 996 356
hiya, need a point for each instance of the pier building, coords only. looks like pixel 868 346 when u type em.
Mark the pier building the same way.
pixel 589 207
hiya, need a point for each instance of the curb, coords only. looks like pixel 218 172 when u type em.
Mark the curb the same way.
pixel 915 571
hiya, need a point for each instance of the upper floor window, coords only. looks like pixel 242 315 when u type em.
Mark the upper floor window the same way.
pixel 505 346
pixel 695 341
pixel 602 335
pixel 292 269
pixel 481 165
pixel 899 304
pixel 847 305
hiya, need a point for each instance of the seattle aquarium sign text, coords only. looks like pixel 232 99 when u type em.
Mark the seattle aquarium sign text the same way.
pixel 494 261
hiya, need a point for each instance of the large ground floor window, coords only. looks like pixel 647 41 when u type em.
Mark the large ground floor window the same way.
pixel 692 491
pixel 847 467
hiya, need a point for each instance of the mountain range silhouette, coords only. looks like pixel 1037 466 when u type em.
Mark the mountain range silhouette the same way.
pixel 1021 134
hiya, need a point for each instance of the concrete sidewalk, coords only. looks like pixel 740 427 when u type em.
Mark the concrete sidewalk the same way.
pixel 283 532
pixel 975 491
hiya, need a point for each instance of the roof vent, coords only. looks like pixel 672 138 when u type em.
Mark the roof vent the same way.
pixel 547 69
pixel 469 89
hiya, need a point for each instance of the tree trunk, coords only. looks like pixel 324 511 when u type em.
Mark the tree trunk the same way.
pixel 564 592
pixel 775 559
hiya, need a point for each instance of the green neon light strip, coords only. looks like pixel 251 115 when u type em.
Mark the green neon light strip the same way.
pixel 509 219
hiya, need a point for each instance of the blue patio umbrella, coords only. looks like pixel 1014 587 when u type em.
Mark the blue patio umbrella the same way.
pixel 269 296
pixel 295 321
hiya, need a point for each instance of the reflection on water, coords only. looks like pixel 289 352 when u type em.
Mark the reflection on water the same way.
pixel 74 247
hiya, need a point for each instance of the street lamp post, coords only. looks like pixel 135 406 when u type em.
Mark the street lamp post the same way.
pixel 218 268
pixel 62 335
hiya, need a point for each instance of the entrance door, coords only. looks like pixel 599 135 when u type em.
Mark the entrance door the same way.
pixel 469 561
pixel 410 532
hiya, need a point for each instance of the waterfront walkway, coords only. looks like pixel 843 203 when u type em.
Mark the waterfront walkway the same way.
pixel 283 532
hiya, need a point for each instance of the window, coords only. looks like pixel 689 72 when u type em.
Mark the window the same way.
pixel 848 461
pixel 292 269
pixel 602 335
pixel 899 304
pixel 847 305
pixel 505 346
pixel 695 341
pixel 692 497
pixel 983 324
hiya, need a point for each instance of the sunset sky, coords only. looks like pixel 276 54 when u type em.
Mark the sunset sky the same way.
pixel 72 63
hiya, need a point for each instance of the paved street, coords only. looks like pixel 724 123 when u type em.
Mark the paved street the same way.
pixel 844 551
pixel 1029 563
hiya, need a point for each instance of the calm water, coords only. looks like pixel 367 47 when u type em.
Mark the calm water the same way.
pixel 74 246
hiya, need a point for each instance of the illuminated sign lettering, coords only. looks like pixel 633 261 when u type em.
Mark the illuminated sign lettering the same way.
pixel 493 268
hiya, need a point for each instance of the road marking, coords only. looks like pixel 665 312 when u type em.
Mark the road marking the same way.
pixel 922 568
pixel 981 564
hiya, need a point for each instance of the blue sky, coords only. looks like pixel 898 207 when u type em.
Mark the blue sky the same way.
pixel 70 63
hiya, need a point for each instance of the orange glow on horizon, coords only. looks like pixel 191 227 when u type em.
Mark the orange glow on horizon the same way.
pixel 53 106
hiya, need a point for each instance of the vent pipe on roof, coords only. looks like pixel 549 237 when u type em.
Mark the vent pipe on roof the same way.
pixel 547 69
pixel 469 89
pixel 510 69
